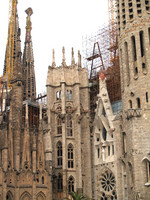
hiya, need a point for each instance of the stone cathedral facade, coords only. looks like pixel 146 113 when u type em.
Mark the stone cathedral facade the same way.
pixel 48 152
pixel 121 145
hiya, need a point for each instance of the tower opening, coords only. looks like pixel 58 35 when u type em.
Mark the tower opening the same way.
pixel 138 102
pixel 134 48
pixel 142 43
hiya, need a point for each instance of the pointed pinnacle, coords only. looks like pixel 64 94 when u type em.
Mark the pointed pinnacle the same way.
pixel 79 59
pixel 63 57
pixel 72 59
pixel 53 59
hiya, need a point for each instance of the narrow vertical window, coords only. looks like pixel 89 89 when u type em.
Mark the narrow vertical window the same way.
pixel 113 150
pixel 104 134
pixel 148 170
pixel 69 125
pixel 108 150
pixel 146 96
pixel 42 179
pixel 127 63
pixel 130 104
pixel 98 152
pixel 70 156
pixel 59 154
pixel 149 35
pixel 124 143
pixel 138 103
pixel 57 95
pixel 71 184
pixel 67 95
pixel 134 48
pixel 60 95
pixel 70 95
pixel 59 126
pixel 142 43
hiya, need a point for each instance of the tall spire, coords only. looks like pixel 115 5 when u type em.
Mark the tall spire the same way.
pixel 11 47
pixel 28 61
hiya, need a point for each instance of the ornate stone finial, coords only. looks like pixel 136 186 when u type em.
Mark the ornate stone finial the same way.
pixel 29 12
pixel 63 58
pixel 72 59
pixel 79 59
pixel 53 60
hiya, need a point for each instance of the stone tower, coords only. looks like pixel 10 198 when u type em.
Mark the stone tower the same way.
pixel 25 168
pixel 68 119
pixel 134 49
pixel 28 62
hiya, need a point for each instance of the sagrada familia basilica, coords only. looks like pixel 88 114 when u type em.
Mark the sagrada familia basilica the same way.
pixel 48 152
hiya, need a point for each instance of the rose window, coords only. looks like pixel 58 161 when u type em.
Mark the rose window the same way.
pixel 108 181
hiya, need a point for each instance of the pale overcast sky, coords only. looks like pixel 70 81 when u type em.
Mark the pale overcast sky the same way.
pixel 55 23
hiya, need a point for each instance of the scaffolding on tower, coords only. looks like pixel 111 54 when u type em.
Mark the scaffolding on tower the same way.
pixel 10 48
pixel 100 55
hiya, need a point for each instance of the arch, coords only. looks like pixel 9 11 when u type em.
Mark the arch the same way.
pixel 40 196
pixel 9 196
pixel 26 196
pixel 146 162
pixel 71 186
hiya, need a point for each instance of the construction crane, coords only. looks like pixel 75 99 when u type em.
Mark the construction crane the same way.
pixel 112 29
pixel 9 62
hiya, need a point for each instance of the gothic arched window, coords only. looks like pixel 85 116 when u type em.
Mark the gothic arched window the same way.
pixel 69 125
pixel 71 184
pixel 59 154
pixel 70 156
pixel 59 126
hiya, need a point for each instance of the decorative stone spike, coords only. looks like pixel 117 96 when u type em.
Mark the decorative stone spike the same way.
pixel 53 60
pixel 63 57
pixel 79 59
pixel 72 59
